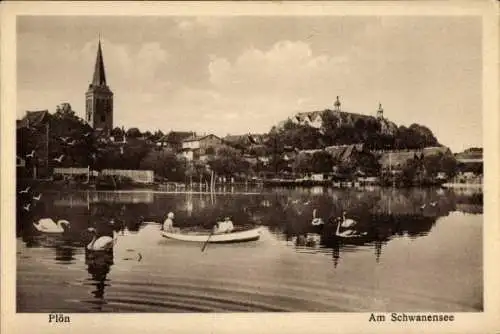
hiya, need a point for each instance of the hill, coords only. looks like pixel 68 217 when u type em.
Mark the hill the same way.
pixel 318 129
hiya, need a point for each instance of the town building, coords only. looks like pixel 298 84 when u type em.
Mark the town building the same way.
pixel 99 98
pixel 173 140
pixel 200 147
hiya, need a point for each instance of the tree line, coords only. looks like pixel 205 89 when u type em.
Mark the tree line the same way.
pixel 71 138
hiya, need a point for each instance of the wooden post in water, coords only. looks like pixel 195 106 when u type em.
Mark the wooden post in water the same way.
pixel 212 181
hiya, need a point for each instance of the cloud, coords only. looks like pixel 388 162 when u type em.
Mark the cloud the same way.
pixel 137 66
pixel 208 25
pixel 290 66
pixel 256 90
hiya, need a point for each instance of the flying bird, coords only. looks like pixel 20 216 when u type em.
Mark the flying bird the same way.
pixel 71 143
pixel 31 155
pixel 37 198
pixel 86 134
pixel 59 159
pixel 433 203
pixel 64 139
pixel 27 207
pixel 25 191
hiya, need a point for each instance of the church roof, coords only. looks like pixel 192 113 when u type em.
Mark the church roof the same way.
pixel 99 78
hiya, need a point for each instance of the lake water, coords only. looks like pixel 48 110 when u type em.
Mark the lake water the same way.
pixel 422 252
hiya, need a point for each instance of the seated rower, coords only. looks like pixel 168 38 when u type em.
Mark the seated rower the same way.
pixel 225 226
pixel 168 224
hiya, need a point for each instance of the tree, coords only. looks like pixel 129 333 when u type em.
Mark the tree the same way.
pixel 322 162
pixel 196 169
pixel 64 110
pixel 148 134
pixel 228 161
pixel 166 164
pixel 157 135
pixel 117 132
pixel 440 163
pixel 133 133
pixel 302 163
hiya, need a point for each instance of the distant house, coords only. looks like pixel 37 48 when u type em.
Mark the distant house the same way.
pixel 39 120
pixel 427 151
pixel 174 139
pixel 317 177
pixel 470 160
pixel 342 153
pixel 252 160
pixel 197 147
pixel 310 152
pixel 33 119
pixel 396 160
pixel 313 119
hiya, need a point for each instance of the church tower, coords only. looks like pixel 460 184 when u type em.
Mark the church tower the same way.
pixel 99 98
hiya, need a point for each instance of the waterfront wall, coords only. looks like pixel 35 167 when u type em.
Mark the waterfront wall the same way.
pixel 139 176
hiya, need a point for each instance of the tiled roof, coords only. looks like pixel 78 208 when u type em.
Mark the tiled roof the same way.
pixel 197 138
pixel 398 158
pixel 343 152
pixel 249 139
pixel 33 118
pixel 176 136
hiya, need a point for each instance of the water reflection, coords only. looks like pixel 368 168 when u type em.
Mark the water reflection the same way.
pixel 98 266
pixel 381 215
pixel 65 254
pixel 293 258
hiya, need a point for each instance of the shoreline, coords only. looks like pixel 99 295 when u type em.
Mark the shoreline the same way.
pixel 222 188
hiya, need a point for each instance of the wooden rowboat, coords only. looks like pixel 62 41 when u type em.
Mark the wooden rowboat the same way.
pixel 236 236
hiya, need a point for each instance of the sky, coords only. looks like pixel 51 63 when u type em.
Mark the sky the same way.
pixel 235 75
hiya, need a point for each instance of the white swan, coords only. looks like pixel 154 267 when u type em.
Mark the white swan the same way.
pixel 102 243
pixel 347 233
pixel 344 234
pixel 47 225
pixel 347 222
pixel 316 221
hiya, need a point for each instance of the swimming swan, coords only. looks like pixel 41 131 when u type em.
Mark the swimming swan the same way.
pixel 347 222
pixel 47 225
pixel 316 221
pixel 102 243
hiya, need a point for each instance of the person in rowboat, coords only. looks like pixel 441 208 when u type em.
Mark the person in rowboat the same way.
pixel 225 226
pixel 168 224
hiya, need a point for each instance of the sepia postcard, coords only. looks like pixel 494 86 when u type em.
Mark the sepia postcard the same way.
pixel 253 167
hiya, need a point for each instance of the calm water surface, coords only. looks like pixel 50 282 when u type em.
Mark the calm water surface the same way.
pixel 422 252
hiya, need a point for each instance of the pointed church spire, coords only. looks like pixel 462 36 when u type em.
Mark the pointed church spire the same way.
pixel 99 78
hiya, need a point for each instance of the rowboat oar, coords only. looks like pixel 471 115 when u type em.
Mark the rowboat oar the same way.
pixel 206 242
